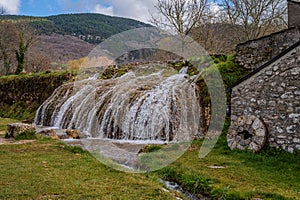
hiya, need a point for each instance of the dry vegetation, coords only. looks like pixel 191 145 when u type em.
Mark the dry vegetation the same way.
pixel 62 49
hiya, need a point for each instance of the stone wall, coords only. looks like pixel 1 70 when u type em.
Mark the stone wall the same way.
pixel 270 97
pixel 294 13
pixel 21 95
pixel 254 53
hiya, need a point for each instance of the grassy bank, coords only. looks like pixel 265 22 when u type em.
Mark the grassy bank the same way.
pixel 21 95
pixel 4 122
pixel 48 169
pixel 270 174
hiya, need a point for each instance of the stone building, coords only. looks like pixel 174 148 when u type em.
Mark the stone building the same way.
pixel 294 14
pixel 265 104
pixel 254 53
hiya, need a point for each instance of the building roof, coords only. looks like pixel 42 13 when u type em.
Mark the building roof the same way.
pixel 283 53
pixel 294 1
pixel 266 36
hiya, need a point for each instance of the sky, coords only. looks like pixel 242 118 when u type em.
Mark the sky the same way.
pixel 135 9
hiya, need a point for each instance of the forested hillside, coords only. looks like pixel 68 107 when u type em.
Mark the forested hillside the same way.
pixel 92 28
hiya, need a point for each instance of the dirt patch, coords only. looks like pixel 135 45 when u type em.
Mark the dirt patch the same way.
pixel 2 134
pixel 13 141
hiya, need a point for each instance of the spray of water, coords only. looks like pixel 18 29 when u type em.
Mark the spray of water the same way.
pixel 151 107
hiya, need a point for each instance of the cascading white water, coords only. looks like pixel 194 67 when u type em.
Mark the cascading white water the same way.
pixel 131 107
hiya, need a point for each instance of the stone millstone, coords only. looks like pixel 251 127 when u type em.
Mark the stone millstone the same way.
pixel 13 130
pixel 247 132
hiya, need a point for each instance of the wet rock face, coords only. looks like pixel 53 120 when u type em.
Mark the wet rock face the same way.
pixel 75 134
pixel 273 96
pixel 13 130
pixel 247 132
pixel 50 133
pixel 58 134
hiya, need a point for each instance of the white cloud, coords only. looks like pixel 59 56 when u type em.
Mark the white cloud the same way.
pixel 106 10
pixel 136 9
pixel 10 6
pixel 216 12
pixel 215 9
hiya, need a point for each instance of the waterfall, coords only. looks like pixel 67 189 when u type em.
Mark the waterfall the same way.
pixel 131 107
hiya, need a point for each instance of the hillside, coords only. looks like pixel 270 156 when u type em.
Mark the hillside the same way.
pixel 92 28
pixel 66 37
pixel 62 48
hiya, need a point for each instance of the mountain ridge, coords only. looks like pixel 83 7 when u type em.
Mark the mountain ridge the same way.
pixel 90 27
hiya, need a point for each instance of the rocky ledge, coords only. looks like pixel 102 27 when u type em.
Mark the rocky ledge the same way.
pixel 16 129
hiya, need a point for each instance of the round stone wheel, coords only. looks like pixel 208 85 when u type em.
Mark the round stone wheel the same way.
pixel 247 132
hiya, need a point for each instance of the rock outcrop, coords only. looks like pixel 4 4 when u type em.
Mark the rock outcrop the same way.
pixel 58 134
pixel 50 133
pixel 17 128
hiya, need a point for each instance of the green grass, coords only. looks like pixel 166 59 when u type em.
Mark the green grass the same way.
pixel 151 148
pixel 47 169
pixel 229 70
pixel 27 135
pixel 270 174
pixel 4 122
pixel 19 111
pixel 50 169
pixel 47 74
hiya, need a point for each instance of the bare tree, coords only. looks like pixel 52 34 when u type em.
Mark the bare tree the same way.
pixel 37 61
pixel 8 44
pixel 215 38
pixel 254 18
pixel 15 39
pixel 180 16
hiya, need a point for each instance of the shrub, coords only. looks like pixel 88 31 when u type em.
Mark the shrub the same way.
pixel 192 182
pixel 27 135
pixel 195 183
pixel 151 148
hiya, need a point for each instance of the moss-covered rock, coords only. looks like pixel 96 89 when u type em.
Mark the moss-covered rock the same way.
pixel 14 130
pixel 21 95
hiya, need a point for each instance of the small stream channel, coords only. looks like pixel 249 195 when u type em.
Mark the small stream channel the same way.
pixel 176 187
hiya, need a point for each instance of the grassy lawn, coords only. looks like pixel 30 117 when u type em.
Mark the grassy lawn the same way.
pixel 3 125
pixel 47 169
pixel 270 174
